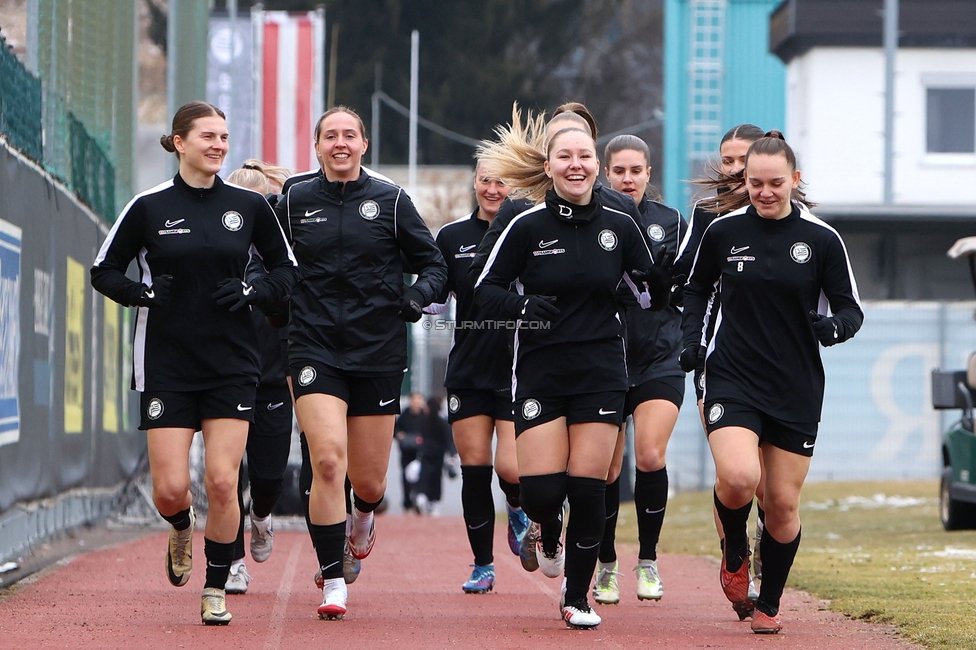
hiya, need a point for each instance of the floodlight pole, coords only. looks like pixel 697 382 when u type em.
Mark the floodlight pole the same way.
pixel 890 50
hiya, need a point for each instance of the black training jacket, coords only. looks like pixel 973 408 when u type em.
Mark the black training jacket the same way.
pixel 200 237
pixel 770 274
pixel 480 358
pixel 349 238
pixel 654 337
pixel 579 254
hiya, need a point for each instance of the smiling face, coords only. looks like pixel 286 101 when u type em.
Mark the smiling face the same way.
pixel 572 165
pixel 340 147
pixel 202 151
pixel 490 191
pixel 628 172
pixel 770 181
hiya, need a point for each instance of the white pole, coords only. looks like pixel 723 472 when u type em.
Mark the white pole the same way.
pixel 414 99
pixel 891 50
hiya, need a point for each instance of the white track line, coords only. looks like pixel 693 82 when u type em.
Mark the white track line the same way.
pixel 276 627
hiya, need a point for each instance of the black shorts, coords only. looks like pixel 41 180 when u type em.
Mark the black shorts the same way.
pixel 699 383
pixel 272 411
pixel 188 409
pixel 671 389
pixel 796 437
pixel 363 395
pixel 589 407
pixel 466 403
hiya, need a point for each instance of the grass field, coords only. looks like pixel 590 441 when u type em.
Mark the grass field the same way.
pixel 876 551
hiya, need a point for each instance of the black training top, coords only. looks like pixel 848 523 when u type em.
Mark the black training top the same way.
pixel 480 358
pixel 200 237
pixel 349 238
pixel 654 337
pixel 579 255
pixel 770 275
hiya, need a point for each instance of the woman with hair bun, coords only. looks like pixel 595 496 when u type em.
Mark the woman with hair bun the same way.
pixel 195 352
pixel 566 256
pixel 778 269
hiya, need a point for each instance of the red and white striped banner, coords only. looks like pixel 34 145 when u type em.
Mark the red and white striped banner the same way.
pixel 291 66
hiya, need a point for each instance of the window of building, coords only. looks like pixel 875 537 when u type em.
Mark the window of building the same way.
pixel 950 117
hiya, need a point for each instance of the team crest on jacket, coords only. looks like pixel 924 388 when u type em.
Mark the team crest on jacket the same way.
pixel 608 240
pixel 655 232
pixel 155 408
pixel 800 252
pixel 453 404
pixel 369 209
pixel 715 413
pixel 306 376
pixel 531 409
pixel 232 220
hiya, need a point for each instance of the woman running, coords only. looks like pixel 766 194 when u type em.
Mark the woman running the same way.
pixel 354 234
pixel 777 268
pixel 478 381
pixel 269 436
pixel 657 383
pixel 566 256
pixel 195 352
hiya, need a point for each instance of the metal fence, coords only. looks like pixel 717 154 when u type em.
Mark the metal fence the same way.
pixel 20 105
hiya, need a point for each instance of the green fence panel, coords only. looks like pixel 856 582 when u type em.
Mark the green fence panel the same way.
pixel 20 105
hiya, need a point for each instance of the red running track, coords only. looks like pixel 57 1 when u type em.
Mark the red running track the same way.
pixel 408 596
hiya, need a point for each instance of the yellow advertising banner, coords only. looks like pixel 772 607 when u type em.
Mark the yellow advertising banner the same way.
pixel 74 347
pixel 110 367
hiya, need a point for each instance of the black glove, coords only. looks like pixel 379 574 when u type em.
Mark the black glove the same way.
pixel 411 305
pixel 539 308
pixel 235 293
pixel 824 328
pixel 690 357
pixel 156 295
pixel 678 289
pixel 658 278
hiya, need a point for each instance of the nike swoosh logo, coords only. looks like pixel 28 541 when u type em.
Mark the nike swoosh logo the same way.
pixel 308 493
pixel 241 407
pixel 602 412
pixel 727 581
pixel 309 213
pixel 465 249
pixel 248 290
pixel 547 244
pixel 326 568
pixel 170 224
pixel 736 251
pixel 808 445
pixel 478 526
pixel 387 402
pixel 150 294
pixel 586 548
pixel 653 512
pixel 272 407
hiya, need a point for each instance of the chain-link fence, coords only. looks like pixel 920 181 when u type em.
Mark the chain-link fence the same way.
pixel 20 105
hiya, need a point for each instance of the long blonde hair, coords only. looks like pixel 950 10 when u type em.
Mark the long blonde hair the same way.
pixel 259 176
pixel 518 155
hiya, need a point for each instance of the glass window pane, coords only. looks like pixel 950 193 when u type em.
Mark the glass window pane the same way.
pixel 951 120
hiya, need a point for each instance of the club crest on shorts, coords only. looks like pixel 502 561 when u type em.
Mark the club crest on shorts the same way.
pixel 306 376
pixel 155 408
pixel 655 232
pixel 800 252
pixel 715 413
pixel 453 403
pixel 531 409
pixel 701 381
pixel 369 209
pixel 608 240
pixel 232 220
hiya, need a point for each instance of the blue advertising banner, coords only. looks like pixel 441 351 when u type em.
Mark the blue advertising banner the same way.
pixel 10 245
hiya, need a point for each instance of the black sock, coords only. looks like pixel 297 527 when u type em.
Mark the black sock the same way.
pixel 179 521
pixel 366 506
pixel 264 495
pixel 347 492
pixel 611 502
pixel 219 556
pixel 650 500
pixel 305 479
pixel 736 536
pixel 239 542
pixel 328 541
pixel 777 559
pixel 511 491
pixel 584 531
pixel 478 508
pixel 542 499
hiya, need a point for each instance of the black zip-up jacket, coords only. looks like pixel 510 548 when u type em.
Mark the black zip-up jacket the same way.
pixel 770 274
pixel 349 238
pixel 480 358
pixel 579 254
pixel 609 197
pixel 200 237
pixel 654 337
